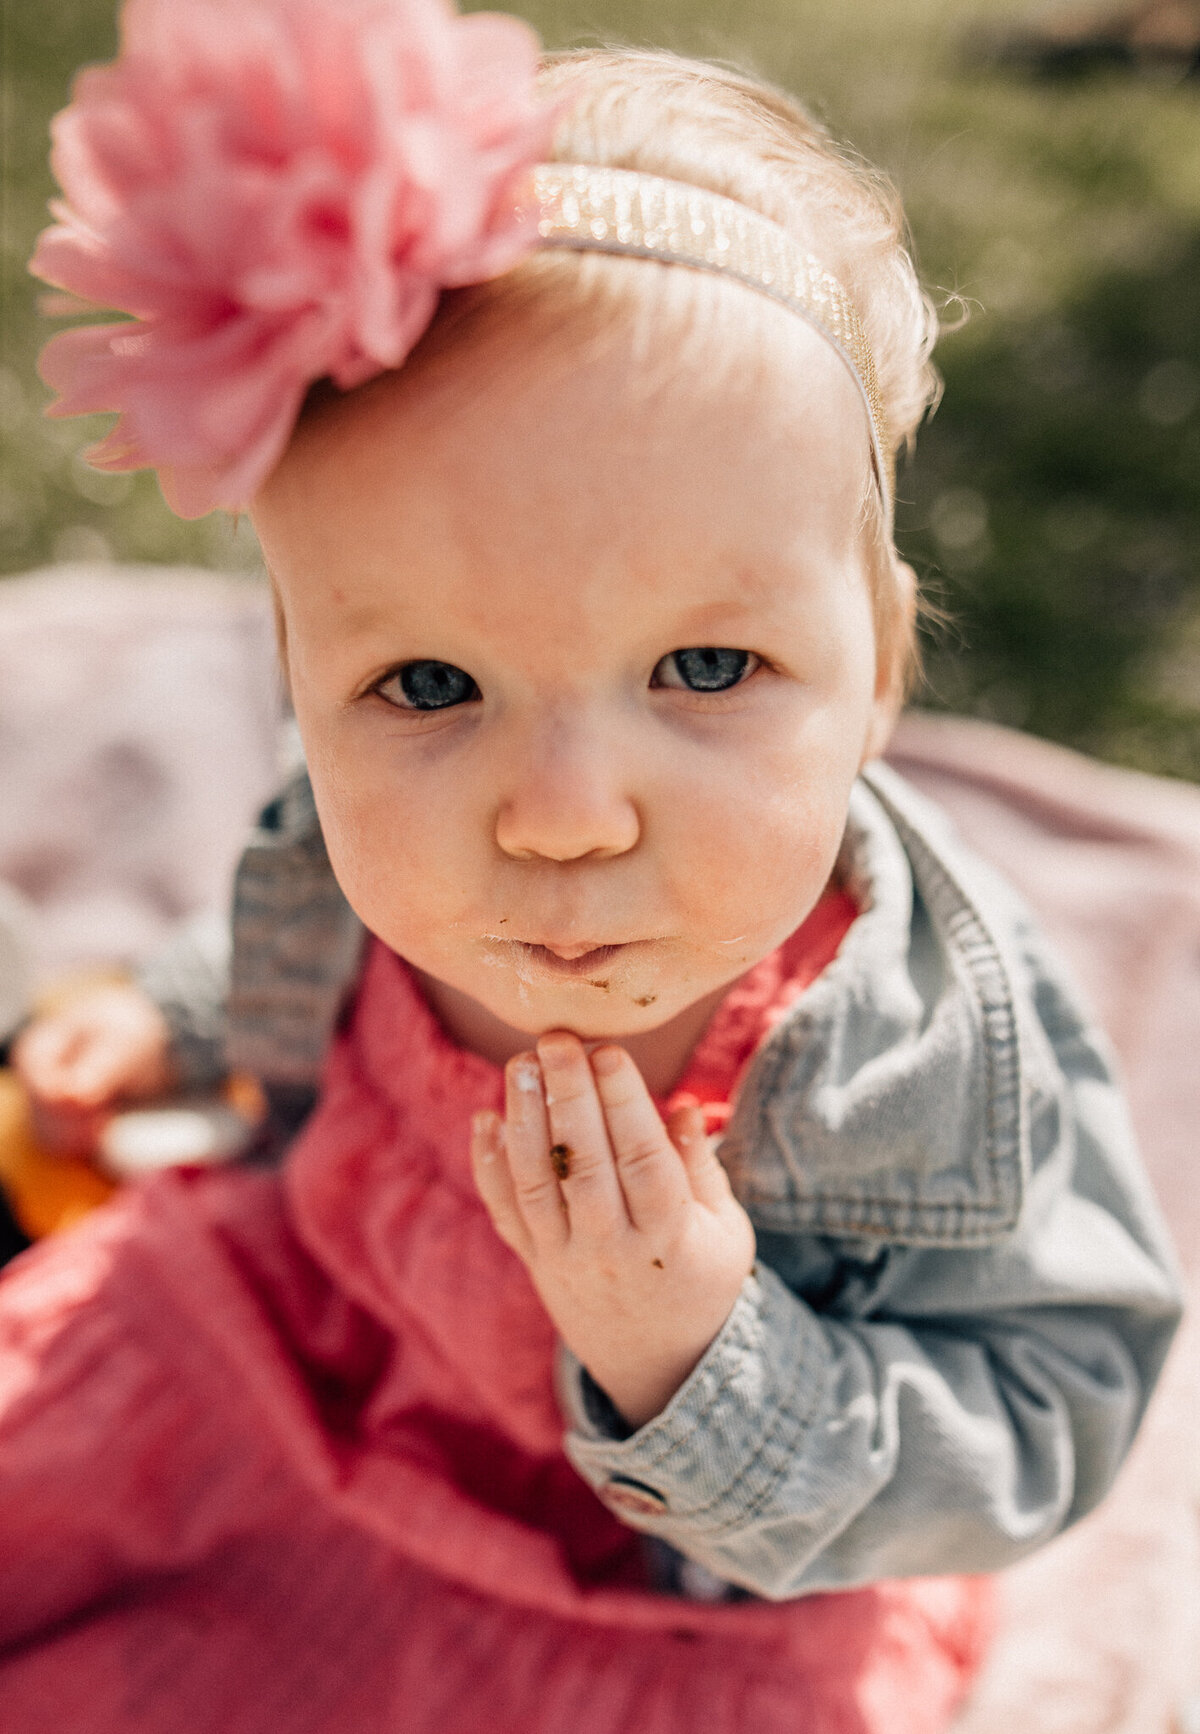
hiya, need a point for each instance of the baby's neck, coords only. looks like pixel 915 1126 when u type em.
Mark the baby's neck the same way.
pixel 661 1055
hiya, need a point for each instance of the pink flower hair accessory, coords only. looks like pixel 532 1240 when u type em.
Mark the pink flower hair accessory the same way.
pixel 275 191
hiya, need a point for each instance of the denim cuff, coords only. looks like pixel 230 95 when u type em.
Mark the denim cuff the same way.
pixel 728 1436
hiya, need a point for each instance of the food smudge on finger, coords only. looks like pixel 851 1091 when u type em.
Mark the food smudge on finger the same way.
pixel 527 1077
pixel 560 1159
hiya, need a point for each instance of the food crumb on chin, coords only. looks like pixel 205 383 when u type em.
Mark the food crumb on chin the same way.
pixel 600 984
pixel 646 999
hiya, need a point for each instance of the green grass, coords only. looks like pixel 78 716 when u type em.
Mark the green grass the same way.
pixel 1054 506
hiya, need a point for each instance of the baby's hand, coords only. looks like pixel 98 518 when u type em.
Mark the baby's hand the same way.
pixel 106 1045
pixel 631 1233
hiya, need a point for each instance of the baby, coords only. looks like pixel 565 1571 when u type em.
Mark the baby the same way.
pixel 594 630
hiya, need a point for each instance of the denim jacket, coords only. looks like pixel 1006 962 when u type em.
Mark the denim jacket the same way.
pixel 963 1292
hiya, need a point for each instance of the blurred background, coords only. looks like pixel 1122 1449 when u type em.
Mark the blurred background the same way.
pixel 1050 165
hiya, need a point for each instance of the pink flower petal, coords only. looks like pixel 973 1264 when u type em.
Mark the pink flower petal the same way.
pixel 194 492
pixel 78 365
pixel 277 190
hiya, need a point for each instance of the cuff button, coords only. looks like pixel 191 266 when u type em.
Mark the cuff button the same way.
pixel 629 1498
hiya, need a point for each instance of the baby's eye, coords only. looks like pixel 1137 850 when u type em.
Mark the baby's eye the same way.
pixel 427 686
pixel 705 668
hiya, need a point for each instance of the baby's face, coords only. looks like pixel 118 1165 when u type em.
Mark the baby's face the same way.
pixel 584 671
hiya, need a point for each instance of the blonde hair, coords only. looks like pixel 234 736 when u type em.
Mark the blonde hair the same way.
pixel 693 121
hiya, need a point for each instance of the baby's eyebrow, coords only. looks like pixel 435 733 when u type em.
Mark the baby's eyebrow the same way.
pixel 706 621
pixel 359 616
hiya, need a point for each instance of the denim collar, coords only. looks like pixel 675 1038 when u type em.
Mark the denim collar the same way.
pixel 887 1105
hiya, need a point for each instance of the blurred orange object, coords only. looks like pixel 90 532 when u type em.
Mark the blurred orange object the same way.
pixel 48 1191
pixel 45 1192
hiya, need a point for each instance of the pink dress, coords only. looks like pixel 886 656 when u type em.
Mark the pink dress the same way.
pixel 280 1454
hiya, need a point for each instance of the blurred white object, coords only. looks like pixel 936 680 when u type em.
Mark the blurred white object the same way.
pixel 138 711
pixel 16 944
pixel 143 1140
pixel 1188 1719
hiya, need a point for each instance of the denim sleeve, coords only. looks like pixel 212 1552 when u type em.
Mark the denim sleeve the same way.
pixel 950 1408
pixel 809 1453
pixel 189 981
pixel 259 989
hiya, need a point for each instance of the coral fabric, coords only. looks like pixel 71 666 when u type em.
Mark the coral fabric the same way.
pixel 282 1452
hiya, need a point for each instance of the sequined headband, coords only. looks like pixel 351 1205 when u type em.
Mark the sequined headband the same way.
pixel 607 210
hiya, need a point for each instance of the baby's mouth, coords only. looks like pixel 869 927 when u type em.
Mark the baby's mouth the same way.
pixel 582 960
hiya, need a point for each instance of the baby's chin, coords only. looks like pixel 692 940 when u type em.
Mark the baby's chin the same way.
pixel 589 1008
pixel 604 999
pixel 613 990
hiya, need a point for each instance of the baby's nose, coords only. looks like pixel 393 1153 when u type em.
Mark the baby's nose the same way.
pixel 567 798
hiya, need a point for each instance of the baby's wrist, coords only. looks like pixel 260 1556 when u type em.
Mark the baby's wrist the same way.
pixel 640 1393
pixel 637 1405
pixel 640 1371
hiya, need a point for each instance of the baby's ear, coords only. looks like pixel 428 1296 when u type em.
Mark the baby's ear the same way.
pixel 897 657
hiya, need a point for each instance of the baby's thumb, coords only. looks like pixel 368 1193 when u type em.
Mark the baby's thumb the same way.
pixel 42 1057
pixel 102 1067
pixel 67 1061
pixel 706 1177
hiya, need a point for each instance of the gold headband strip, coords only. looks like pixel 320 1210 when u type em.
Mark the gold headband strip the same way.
pixel 605 210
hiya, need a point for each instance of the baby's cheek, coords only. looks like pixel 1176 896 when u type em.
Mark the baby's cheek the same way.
pixel 770 846
pixel 371 851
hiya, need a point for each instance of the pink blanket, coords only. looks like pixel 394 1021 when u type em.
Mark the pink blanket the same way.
pixel 136 721
pixel 1101 1631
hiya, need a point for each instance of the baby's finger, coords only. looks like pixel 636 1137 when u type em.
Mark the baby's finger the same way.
pixel 42 1057
pixel 706 1177
pixel 527 1141
pixel 648 1166
pixel 72 1063
pixel 494 1182
pixel 579 1138
pixel 98 1067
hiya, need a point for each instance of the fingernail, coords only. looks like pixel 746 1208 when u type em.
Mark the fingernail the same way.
pixel 607 1060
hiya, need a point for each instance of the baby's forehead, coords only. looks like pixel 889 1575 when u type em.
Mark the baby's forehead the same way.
pixel 666 345
pixel 581 495
pixel 553 524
